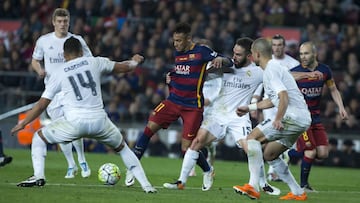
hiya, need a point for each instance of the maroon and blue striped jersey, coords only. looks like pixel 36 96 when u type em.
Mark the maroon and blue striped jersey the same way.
pixel 187 77
pixel 312 88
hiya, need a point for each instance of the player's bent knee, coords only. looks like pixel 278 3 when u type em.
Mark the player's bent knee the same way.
pixel 270 156
pixel 322 155
pixel 196 145
pixel 310 153
pixel 120 147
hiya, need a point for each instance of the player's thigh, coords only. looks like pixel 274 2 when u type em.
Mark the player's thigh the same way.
pixel 306 141
pixel 110 135
pixel 192 119
pixel 60 130
pixel 286 137
pixel 273 150
pixel 214 128
pixel 165 113
pixel 319 135
pixel 239 130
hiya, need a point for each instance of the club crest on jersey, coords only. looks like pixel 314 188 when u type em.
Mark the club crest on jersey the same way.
pixel 214 54
pixel 248 73
pixel 189 57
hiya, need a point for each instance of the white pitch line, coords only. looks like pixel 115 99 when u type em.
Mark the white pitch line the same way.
pixel 161 187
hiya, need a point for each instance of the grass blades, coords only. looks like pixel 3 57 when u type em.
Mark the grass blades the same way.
pixel 334 184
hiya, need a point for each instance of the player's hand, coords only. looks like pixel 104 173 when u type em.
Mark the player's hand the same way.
pixel 138 58
pixel 343 115
pixel 317 74
pixel 41 73
pixel 17 128
pixel 242 110
pixel 278 125
pixel 168 78
pixel 217 62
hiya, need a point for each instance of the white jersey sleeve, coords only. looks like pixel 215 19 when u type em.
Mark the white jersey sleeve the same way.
pixel 212 88
pixel 277 78
pixel 52 88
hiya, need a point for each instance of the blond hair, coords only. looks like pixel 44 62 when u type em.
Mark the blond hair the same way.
pixel 60 12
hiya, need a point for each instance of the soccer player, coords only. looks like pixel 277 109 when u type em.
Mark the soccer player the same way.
pixel 84 115
pixel 211 89
pixel 278 44
pixel 280 132
pixel 237 89
pixel 3 158
pixel 49 48
pixel 186 99
pixel 314 142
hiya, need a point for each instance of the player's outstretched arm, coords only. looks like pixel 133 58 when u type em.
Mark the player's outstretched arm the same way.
pixel 128 65
pixel 264 104
pixel 304 75
pixel 35 112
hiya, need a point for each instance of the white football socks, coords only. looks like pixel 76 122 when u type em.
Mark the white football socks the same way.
pixel 133 164
pixel 282 170
pixel 66 148
pixel 262 177
pixel 79 147
pixel 38 155
pixel 255 161
pixel 189 161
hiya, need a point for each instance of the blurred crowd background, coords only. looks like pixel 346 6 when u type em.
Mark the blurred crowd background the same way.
pixel 119 28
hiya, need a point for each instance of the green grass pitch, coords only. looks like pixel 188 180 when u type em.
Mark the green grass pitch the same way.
pixel 335 185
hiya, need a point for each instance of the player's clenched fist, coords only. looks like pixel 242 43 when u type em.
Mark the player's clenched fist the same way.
pixel 138 58
pixel 242 110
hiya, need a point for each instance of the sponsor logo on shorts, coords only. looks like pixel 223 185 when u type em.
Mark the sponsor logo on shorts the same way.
pixel 191 135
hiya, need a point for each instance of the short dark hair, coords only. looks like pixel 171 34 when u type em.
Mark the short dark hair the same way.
pixel 182 27
pixel 278 36
pixel 72 46
pixel 246 43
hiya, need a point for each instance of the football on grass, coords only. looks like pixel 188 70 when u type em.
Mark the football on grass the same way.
pixel 109 174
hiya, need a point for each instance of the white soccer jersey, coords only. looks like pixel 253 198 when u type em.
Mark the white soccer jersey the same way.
pixel 237 90
pixel 79 81
pixel 50 49
pixel 277 78
pixel 211 91
pixel 287 61
pixel 297 117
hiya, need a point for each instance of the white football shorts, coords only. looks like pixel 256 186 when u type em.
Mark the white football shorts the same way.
pixel 287 137
pixel 100 128
pixel 237 128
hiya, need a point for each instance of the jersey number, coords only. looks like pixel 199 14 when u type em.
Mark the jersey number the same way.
pixel 91 84
pixel 246 130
